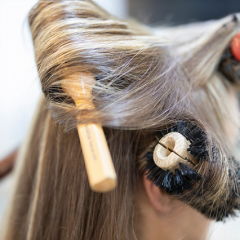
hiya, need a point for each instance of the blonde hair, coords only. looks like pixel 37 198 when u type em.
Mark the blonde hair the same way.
pixel 147 79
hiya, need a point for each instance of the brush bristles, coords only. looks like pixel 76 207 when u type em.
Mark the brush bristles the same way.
pixel 194 134
pixel 182 179
pixel 184 176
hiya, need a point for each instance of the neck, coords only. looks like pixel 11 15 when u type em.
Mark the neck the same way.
pixel 182 222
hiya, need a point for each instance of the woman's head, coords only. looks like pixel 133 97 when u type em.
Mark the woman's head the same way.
pixel 53 199
pixel 147 82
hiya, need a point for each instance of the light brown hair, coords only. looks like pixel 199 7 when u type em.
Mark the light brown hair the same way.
pixel 147 79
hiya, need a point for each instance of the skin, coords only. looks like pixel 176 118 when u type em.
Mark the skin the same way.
pixel 160 217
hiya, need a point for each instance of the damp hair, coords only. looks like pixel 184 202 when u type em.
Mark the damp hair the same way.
pixel 147 80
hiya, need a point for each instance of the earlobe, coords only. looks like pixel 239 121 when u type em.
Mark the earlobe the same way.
pixel 159 199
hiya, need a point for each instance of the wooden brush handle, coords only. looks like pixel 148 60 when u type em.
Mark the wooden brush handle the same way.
pixel 100 169
pixel 171 150
pixel 99 165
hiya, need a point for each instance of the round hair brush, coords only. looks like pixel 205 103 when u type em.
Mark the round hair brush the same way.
pixel 171 163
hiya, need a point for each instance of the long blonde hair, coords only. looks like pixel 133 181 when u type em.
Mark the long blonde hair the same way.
pixel 147 79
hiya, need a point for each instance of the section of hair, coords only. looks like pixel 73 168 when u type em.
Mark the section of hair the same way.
pixel 200 46
pixel 145 83
pixel 136 77
pixel 53 199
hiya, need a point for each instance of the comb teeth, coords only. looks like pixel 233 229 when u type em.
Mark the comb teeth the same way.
pixel 176 183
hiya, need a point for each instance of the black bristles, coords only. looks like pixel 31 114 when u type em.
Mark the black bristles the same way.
pixel 184 176
pixel 154 172
pixel 178 182
pixel 189 173
pixel 149 155
pixel 164 184
pixel 160 178
pixel 197 138
pixel 169 187
pixel 173 183
pixel 159 134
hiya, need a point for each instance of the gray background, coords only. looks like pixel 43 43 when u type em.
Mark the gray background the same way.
pixel 181 11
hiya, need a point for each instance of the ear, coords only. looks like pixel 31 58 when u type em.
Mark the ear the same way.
pixel 159 199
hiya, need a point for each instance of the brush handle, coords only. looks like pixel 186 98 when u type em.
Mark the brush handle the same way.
pixel 171 150
pixel 101 173
pixel 100 169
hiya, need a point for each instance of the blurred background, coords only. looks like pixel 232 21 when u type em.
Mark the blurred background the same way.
pixel 19 84
pixel 180 11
